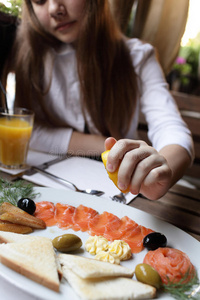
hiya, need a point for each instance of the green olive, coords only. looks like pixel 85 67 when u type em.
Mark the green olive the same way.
pixel 67 242
pixel 146 274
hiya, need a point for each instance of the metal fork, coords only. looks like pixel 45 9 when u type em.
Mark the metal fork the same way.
pixel 66 182
pixel 119 198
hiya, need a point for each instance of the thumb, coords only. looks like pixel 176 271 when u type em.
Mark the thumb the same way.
pixel 109 143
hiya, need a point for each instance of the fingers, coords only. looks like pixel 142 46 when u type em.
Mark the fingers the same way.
pixel 118 151
pixel 135 166
pixel 141 167
pixel 130 169
pixel 148 171
pixel 109 143
pixel 157 182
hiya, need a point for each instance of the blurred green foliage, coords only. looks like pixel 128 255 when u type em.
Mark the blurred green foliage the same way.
pixel 13 7
pixel 188 59
pixel 186 69
pixel 191 54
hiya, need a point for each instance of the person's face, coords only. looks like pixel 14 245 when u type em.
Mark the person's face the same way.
pixel 61 18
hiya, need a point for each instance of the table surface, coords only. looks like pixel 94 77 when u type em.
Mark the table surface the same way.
pixel 180 207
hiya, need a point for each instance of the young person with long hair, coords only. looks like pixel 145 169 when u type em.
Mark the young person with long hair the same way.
pixel 87 82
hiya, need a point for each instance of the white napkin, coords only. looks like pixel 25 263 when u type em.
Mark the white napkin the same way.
pixel 83 172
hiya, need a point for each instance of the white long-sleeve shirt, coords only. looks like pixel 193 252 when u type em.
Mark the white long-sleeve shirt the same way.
pixel 62 103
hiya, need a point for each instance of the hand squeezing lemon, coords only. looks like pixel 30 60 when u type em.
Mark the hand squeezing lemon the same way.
pixel 114 175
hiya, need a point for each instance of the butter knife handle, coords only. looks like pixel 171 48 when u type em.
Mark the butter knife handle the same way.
pixel 56 178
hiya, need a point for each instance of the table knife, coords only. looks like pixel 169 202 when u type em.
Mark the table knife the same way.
pixel 31 171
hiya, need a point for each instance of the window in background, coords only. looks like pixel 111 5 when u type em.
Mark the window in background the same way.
pixel 185 75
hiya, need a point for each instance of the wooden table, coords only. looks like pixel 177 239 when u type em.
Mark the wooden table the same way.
pixel 180 207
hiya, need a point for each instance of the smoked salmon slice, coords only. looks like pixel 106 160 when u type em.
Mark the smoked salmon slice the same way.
pixel 82 216
pixel 127 226
pixel 103 224
pixel 64 215
pixel 112 229
pixel 133 234
pixel 45 211
pixel 135 238
pixel 172 264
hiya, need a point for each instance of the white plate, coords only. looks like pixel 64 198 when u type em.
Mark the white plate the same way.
pixel 30 290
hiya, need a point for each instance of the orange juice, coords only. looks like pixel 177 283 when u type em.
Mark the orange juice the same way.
pixel 15 135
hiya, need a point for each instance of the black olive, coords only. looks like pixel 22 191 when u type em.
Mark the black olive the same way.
pixel 154 240
pixel 27 205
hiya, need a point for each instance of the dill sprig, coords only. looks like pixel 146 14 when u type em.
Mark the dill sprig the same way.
pixel 183 291
pixel 13 191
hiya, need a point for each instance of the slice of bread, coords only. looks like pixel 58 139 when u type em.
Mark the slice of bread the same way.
pixel 11 227
pixel 11 237
pixel 34 259
pixel 114 288
pixel 14 214
pixel 91 268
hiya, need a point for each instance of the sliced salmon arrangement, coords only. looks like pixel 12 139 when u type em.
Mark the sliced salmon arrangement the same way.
pixel 172 264
pixel 103 224
pixel 46 211
pixel 86 219
pixel 64 215
pixel 82 216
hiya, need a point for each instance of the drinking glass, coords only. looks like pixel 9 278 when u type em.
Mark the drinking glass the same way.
pixel 15 132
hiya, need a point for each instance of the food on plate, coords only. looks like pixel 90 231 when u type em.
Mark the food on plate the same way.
pixel 91 268
pixel 114 175
pixel 34 259
pixel 88 272
pixel 121 249
pixel 11 227
pixel 64 215
pixel 15 215
pixel 147 274
pixel 67 242
pixel 172 264
pixel 154 240
pixel 27 205
pixel 81 217
pixel 107 257
pixel 113 252
pixel 106 224
pixel 12 237
pixel 45 211
pixel 133 234
pixel 117 288
pixel 94 244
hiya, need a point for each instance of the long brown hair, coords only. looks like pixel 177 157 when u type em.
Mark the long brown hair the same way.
pixel 107 77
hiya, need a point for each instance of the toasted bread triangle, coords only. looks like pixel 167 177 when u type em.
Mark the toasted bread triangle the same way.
pixel 111 288
pixel 34 259
pixel 14 214
pixel 12 237
pixel 91 268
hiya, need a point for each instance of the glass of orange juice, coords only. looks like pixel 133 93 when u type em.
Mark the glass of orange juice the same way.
pixel 15 132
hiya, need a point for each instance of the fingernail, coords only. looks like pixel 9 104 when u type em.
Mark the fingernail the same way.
pixel 133 191
pixel 121 186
